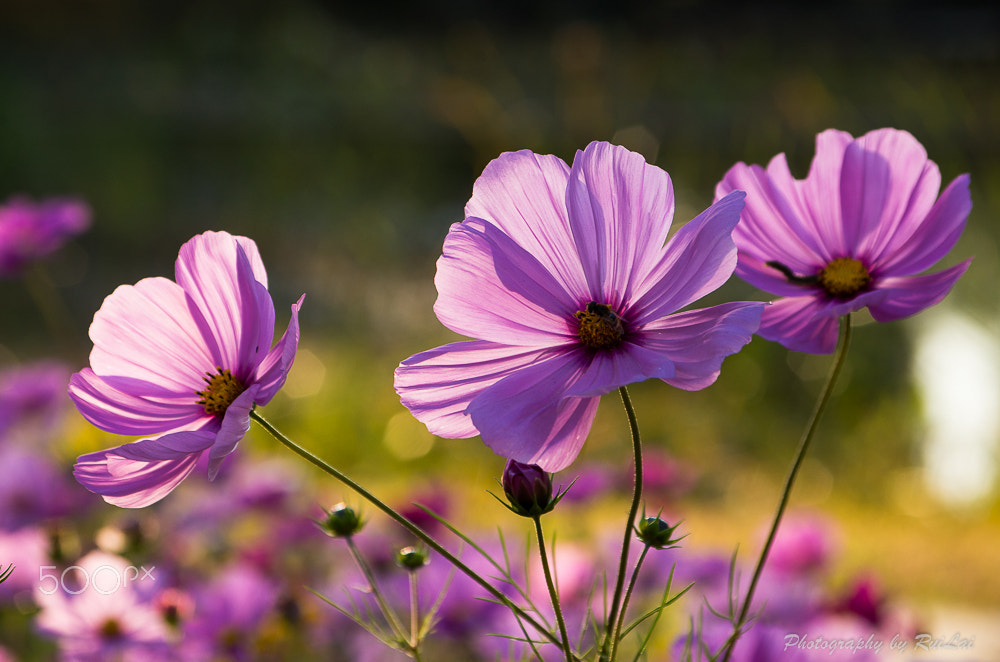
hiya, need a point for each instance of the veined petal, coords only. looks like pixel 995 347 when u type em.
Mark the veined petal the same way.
pixel 887 187
pixel 919 243
pixel 123 405
pixel 773 224
pixel 909 295
pixel 146 332
pixel 523 194
pixel 620 209
pixel 695 342
pixel 172 446
pixel 798 324
pixel 132 483
pixel 235 425
pixel 697 260
pixel 438 385
pixel 820 195
pixel 490 288
pixel 527 417
pixel 631 362
pixel 217 273
pixel 273 370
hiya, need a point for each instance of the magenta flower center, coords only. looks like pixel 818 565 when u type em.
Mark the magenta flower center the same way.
pixel 599 326
pixel 844 277
pixel 222 388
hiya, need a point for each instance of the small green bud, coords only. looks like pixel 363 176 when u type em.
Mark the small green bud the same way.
pixel 654 532
pixel 342 521
pixel 412 558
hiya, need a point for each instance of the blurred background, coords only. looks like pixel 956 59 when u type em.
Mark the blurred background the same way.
pixel 345 141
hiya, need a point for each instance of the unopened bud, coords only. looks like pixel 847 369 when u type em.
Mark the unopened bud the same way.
pixel 412 558
pixel 528 488
pixel 342 521
pixel 654 532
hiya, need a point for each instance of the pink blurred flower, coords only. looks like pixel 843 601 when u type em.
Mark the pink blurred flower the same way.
pixel 33 400
pixel 102 616
pixel 566 278
pixel 184 362
pixel 32 230
pixel 854 233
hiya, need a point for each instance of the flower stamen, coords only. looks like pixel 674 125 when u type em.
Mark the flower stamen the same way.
pixel 222 388
pixel 600 327
pixel 844 277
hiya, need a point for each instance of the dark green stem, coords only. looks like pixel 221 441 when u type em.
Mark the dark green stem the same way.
pixel 406 524
pixel 631 587
pixel 553 593
pixel 387 613
pixel 609 648
pixel 807 436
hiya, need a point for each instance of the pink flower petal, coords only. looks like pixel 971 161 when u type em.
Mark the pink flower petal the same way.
pixel 527 417
pixel 620 210
pixel 697 260
pixel 695 342
pixel 124 405
pixel 438 385
pixel 145 332
pixel 235 425
pixel 908 295
pixel 273 370
pixel 491 288
pixel 797 323
pixel 524 194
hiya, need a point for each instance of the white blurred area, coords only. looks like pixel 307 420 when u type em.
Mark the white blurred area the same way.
pixel 957 372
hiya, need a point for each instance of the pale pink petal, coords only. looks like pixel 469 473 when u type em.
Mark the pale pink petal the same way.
pixel 620 209
pixel 123 405
pixel 490 288
pixel 695 342
pixel 798 324
pixel 524 194
pixel 132 483
pixel 438 385
pixel 273 370
pixel 527 417
pixel 217 274
pixel 146 332
pixel 921 242
pixel 909 295
pixel 697 260
pixel 235 425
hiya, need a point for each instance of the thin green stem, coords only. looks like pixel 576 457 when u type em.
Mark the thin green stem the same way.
pixel 405 523
pixel 804 442
pixel 631 587
pixel 414 611
pixel 387 613
pixel 553 593
pixel 609 649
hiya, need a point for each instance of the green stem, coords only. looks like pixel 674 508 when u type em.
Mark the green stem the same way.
pixel 405 523
pixel 414 614
pixel 553 593
pixel 631 587
pixel 387 613
pixel 609 648
pixel 824 398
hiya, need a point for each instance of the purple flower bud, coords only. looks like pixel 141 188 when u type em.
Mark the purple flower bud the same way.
pixel 528 488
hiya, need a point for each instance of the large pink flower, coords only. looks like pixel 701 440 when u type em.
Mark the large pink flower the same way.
pixel 183 362
pixel 563 277
pixel 854 233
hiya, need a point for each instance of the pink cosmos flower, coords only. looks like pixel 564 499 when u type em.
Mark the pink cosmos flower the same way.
pixel 563 277
pixel 30 230
pixel 183 362
pixel 854 233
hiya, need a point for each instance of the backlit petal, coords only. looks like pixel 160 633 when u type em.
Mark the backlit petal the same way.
pixel 273 370
pixel 909 295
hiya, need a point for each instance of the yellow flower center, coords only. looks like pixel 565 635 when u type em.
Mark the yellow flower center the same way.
pixel 600 327
pixel 222 388
pixel 844 277
pixel 110 630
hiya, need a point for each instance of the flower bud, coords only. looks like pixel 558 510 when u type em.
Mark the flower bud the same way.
pixel 654 532
pixel 528 488
pixel 412 558
pixel 342 521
